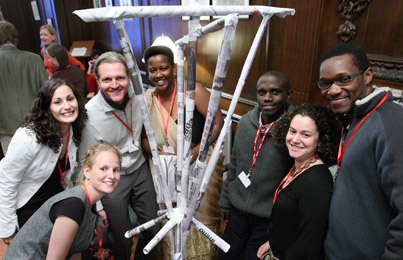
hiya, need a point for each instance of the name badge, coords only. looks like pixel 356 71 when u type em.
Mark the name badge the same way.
pixel 134 146
pixel 168 149
pixel 244 179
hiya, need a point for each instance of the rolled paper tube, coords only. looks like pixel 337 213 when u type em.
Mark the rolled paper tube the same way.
pixel 161 212
pixel 211 27
pixel 160 235
pixel 178 239
pixel 140 100
pixel 219 76
pixel 181 118
pixel 193 192
pixel 218 241
pixel 241 82
pixel 194 24
pixel 145 226
pixel 114 13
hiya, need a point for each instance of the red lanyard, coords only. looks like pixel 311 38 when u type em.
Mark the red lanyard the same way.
pixel 169 113
pixel 256 152
pixel 341 151
pixel 131 118
pixel 62 173
pixel 298 171
pixel 89 202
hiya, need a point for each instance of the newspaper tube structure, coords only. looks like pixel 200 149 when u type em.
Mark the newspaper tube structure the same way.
pixel 190 190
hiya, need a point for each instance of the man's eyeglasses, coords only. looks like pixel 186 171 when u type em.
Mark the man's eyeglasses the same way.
pixel 339 82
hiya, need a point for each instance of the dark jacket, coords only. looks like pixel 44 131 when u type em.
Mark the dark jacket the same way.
pixel 366 212
pixel 272 164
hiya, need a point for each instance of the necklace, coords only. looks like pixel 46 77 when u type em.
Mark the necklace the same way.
pixel 292 174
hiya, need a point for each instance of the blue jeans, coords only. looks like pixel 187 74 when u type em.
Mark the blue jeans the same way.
pixel 245 233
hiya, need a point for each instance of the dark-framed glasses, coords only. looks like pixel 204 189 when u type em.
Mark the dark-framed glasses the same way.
pixel 325 84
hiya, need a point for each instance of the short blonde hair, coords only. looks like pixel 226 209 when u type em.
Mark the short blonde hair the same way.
pixel 92 153
pixel 109 57
pixel 51 30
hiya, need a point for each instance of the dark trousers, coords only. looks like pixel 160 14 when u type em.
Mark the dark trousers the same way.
pixel 245 233
pixel 136 190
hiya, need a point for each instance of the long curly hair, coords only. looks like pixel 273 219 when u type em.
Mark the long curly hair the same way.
pixel 41 121
pixel 326 124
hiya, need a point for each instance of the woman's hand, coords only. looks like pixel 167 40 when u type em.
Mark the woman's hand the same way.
pixel 7 240
pixel 263 249
pixel 194 152
pixel 104 223
pixel 90 65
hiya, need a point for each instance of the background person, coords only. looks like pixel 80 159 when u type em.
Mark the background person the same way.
pixel 162 104
pixel 299 218
pixel 64 226
pixel 366 211
pixel 22 76
pixel 95 53
pixel 48 36
pixel 256 168
pixel 41 155
pixel 92 81
pixel 58 56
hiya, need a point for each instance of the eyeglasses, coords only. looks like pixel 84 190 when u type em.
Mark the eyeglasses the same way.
pixel 339 82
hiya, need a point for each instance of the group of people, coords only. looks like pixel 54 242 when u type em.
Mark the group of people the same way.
pixel 298 209
pixel 279 198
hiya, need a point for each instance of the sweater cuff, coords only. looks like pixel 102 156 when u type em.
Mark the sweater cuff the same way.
pixel 7 230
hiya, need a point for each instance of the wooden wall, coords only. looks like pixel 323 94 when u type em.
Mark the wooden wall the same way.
pixel 19 12
pixel 293 45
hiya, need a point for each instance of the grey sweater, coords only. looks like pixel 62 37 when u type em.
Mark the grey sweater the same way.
pixel 272 164
pixel 32 241
pixel 366 210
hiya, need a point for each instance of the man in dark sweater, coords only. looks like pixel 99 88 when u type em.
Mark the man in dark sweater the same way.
pixel 256 168
pixel 366 211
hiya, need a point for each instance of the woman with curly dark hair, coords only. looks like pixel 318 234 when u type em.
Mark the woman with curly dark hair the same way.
pixel 301 203
pixel 41 155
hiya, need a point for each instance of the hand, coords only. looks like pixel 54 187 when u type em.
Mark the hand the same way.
pixel 224 217
pixel 193 153
pixel 91 63
pixel 224 221
pixel 7 240
pixel 263 249
pixel 105 223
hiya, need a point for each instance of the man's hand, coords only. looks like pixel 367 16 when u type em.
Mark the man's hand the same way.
pixel 224 221
pixel 263 249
